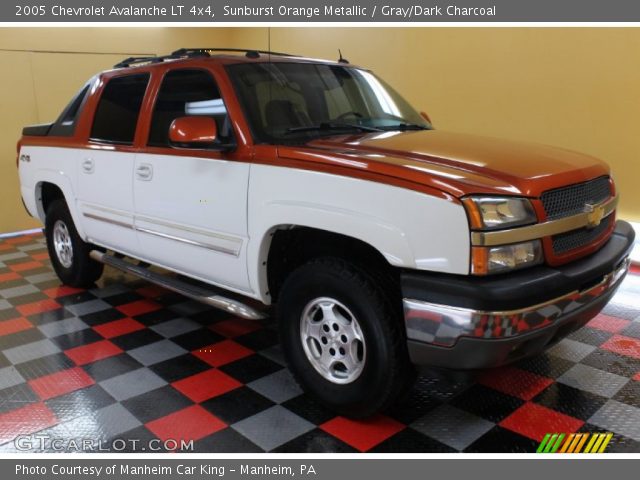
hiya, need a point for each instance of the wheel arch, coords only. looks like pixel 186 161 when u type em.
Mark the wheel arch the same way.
pixel 49 189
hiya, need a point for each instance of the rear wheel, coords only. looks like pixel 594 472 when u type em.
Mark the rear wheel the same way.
pixel 342 337
pixel 69 254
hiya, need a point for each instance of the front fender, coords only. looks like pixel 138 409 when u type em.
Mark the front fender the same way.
pixel 410 229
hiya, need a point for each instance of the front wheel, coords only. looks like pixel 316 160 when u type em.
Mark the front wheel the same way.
pixel 69 254
pixel 342 337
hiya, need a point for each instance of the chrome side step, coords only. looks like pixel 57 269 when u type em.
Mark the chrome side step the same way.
pixel 194 292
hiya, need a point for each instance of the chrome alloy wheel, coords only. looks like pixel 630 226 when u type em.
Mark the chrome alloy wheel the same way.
pixel 332 340
pixel 62 244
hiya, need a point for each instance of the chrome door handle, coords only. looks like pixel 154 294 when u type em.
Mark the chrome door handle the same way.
pixel 144 171
pixel 88 166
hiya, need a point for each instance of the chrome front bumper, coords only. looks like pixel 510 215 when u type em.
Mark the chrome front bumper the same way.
pixel 443 325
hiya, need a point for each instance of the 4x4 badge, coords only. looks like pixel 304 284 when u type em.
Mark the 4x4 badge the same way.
pixel 595 213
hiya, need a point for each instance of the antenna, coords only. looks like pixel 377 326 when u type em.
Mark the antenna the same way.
pixel 342 59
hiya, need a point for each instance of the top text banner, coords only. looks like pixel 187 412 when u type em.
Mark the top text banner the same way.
pixel 309 11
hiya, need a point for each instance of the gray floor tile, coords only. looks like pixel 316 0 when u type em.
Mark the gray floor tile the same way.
pixel 85 308
pixel 618 418
pixel 41 277
pixel 4 304
pixel 30 247
pixel 63 327
pixel 571 350
pixel 18 291
pixel 277 387
pixel 452 426
pixel 31 351
pixel 593 380
pixel 176 327
pixel 132 384
pixel 9 377
pixel 157 352
pixel 105 423
pixel 273 427
pixel 13 256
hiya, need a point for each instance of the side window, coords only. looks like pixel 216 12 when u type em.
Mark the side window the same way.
pixel 117 113
pixel 187 92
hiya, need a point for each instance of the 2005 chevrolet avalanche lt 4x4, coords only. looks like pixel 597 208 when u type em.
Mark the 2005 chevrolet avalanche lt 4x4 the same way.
pixel 257 179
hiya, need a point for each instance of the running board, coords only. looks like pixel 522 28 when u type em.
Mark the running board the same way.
pixel 194 292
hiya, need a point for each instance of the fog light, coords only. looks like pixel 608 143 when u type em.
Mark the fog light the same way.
pixel 505 257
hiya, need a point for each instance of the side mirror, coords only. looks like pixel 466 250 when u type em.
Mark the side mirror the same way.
pixel 195 132
pixel 426 117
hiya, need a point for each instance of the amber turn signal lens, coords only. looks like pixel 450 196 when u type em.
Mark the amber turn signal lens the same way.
pixel 475 217
pixel 479 260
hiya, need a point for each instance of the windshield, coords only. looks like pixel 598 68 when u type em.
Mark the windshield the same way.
pixel 294 102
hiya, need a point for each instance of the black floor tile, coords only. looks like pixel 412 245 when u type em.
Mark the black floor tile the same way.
pixel 237 405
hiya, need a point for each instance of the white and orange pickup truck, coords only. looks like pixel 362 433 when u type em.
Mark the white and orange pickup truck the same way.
pixel 261 181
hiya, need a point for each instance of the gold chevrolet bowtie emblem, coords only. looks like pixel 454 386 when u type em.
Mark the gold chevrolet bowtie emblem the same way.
pixel 595 213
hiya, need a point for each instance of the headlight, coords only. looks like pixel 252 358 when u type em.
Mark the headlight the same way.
pixel 491 213
pixel 488 260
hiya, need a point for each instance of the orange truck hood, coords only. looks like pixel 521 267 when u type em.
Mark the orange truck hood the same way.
pixel 456 164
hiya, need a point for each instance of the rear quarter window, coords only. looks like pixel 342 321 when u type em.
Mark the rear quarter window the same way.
pixel 116 116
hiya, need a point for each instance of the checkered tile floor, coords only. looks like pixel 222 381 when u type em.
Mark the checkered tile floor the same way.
pixel 128 360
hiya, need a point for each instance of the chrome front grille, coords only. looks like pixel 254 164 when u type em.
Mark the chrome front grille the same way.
pixel 571 200
pixel 568 241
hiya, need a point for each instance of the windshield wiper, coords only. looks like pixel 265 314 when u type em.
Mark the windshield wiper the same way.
pixel 332 126
pixel 408 126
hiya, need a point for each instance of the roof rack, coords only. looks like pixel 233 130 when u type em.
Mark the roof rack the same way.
pixel 193 53
pixel 249 52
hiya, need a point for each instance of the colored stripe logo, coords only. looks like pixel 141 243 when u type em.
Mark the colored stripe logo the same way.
pixel 574 443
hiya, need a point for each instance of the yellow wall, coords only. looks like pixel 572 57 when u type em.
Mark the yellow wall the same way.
pixel 577 88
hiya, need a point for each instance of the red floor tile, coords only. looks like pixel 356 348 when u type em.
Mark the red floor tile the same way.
pixel 235 327
pixel 191 423
pixel 60 383
pixel 61 291
pixel 535 421
pixel 8 327
pixel 38 307
pixel 118 327
pixel 7 277
pixel 608 323
pixel 40 256
pixel 5 246
pixel 139 307
pixel 222 353
pixel 93 352
pixel 362 434
pixel 25 420
pixel 206 385
pixel 23 267
pixel 627 346
pixel 19 239
pixel 515 382
pixel 637 377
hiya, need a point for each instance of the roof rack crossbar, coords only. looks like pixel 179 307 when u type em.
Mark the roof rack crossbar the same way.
pixel 193 53
pixel 250 52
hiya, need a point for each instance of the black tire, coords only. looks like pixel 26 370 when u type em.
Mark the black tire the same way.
pixel 386 372
pixel 82 270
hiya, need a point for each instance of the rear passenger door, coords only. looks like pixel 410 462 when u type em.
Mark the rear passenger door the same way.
pixel 105 192
pixel 191 204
